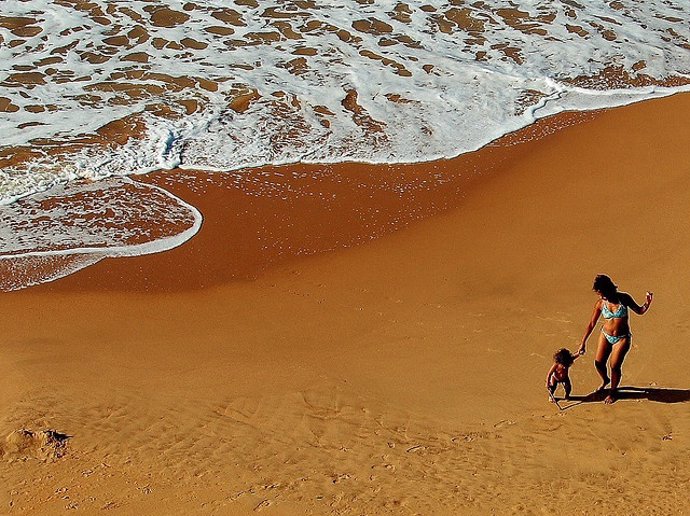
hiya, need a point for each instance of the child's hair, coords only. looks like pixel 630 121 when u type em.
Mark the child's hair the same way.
pixel 563 356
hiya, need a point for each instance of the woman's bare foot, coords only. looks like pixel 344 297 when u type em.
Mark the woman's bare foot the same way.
pixel 610 399
pixel 603 386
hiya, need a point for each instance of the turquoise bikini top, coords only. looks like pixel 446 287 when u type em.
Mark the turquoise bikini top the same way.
pixel 621 311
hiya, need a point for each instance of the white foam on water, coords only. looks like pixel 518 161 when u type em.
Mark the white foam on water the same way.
pixel 21 273
pixel 223 85
pixel 432 79
pixel 60 231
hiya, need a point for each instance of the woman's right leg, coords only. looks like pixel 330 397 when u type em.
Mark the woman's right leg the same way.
pixel 617 358
pixel 603 352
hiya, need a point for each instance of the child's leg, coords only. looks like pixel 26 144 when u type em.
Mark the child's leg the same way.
pixel 567 386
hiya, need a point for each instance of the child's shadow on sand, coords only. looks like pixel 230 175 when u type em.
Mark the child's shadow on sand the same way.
pixel 631 393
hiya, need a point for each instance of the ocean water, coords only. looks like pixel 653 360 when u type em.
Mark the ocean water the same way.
pixel 223 85
pixel 57 232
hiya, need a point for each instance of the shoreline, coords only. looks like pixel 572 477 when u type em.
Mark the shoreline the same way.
pixel 462 171
pixel 350 203
pixel 403 374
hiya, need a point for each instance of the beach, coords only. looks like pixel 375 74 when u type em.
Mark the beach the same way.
pixel 371 339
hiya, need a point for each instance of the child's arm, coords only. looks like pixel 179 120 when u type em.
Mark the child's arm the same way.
pixel 548 375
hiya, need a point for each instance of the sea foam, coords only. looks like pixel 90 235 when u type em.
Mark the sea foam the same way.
pixel 55 233
pixel 226 85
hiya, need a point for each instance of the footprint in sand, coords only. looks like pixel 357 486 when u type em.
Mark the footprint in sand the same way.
pixel 339 478
pixel 263 505
pixel 385 465
pixel 504 423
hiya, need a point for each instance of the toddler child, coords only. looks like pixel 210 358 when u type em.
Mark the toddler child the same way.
pixel 562 360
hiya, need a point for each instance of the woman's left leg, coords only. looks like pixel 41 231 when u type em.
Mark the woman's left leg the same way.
pixel 620 349
pixel 604 349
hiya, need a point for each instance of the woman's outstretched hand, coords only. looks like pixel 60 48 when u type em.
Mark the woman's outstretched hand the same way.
pixel 648 301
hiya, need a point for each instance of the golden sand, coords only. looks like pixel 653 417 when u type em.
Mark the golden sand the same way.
pixel 400 373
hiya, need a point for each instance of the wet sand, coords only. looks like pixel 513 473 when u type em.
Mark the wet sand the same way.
pixel 305 354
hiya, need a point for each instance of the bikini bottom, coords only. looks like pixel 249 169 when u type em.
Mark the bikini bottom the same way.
pixel 613 339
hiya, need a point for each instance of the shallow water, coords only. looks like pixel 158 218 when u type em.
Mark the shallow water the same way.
pixel 103 88
pixel 55 233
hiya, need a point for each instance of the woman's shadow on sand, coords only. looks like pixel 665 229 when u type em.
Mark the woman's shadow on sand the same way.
pixel 631 393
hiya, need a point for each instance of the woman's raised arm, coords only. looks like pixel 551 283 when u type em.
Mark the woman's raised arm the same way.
pixel 630 303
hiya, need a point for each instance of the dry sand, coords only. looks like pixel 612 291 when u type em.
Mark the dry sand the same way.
pixel 401 376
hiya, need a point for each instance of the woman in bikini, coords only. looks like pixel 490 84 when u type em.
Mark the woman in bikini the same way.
pixel 615 337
